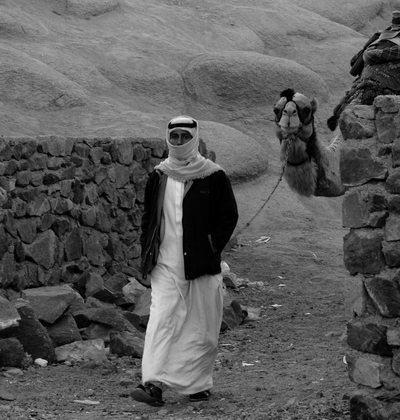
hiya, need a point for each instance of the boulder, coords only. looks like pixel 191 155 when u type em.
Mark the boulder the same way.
pixel 32 334
pixel 126 344
pixel 9 316
pixel 50 302
pixel 64 331
pixel 80 351
pixel 11 352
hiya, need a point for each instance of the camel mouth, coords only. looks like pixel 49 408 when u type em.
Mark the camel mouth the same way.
pixel 290 130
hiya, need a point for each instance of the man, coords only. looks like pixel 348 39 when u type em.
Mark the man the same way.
pixel 190 213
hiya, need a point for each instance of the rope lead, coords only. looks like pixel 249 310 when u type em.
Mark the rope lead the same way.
pixel 274 189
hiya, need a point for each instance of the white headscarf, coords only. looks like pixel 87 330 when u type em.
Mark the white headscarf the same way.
pixel 184 162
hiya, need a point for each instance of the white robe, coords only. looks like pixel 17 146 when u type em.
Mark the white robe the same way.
pixel 185 315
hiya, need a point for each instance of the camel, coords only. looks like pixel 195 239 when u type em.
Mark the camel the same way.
pixel 310 168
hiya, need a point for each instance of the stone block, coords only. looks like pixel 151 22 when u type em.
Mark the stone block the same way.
pixel 354 127
pixel 387 104
pixel 32 334
pixel 392 228
pixel 391 252
pixel 50 302
pixel 386 128
pixel 358 166
pixel 364 371
pixel 392 183
pixel 12 352
pixel 363 251
pixel 56 145
pixel 133 290
pixel 44 249
pixel 125 152
pixel 82 351
pixel 385 292
pixel 64 331
pixel 126 344
pixel 355 297
pixel 73 245
pixel 368 337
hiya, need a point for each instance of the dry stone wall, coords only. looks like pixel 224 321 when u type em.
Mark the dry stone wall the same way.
pixel 71 206
pixel 370 168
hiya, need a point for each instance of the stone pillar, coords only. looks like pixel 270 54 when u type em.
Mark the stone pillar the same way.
pixel 370 168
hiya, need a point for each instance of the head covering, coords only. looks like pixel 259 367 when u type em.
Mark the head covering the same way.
pixel 184 162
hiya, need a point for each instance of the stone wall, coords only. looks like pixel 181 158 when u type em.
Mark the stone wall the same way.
pixel 71 206
pixel 370 167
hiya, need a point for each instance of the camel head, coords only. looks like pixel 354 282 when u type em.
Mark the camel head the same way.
pixel 310 168
pixel 294 115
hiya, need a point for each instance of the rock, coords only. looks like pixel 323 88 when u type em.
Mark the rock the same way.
pixel 142 307
pixel 98 331
pixel 364 371
pixel 56 92
pixel 233 315
pixel 385 294
pixel 133 290
pixel 4 242
pixel 13 372
pixel 111 289
pixel 94 284
pixel 363 251
pixel 50 302
pixel 358 166
pixel 364 406
pixel 11 352
pixel 32 334
pixel 92 302
pixel 134 319
pixel 126 344
pixel 40 362
pixel 44 249
pixel 7 396
pixel 64 331
pixel 111 317
pixel 363 208
pixel 9 316
pixel 230 280
pixel 91 350
pixel 73 246
pixel 237 82
pixel 92 248
pixel 368 338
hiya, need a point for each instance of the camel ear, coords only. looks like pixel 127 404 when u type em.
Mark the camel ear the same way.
pixel 314 105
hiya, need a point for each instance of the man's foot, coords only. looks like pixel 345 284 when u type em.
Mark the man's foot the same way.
pixel 200 396
pixel 149 394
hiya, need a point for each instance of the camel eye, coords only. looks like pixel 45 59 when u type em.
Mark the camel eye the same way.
pixel 307 110
pixel 277 111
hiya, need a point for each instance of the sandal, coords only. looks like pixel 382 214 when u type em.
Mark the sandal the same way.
pixel 200 396
pixel 149 394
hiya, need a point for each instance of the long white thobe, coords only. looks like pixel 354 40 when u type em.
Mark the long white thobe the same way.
pixel 185 316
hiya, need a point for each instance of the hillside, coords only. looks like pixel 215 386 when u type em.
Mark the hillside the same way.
pixel 124 68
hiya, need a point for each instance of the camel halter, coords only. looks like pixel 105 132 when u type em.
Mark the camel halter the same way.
pixel 307 121
pixel 284 163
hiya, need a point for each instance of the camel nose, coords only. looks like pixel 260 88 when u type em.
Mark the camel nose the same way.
pixel 290 112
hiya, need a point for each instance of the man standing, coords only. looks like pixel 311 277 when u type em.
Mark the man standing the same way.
pixel 190 213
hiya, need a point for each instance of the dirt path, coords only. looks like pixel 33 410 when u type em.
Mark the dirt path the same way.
pixel 286 365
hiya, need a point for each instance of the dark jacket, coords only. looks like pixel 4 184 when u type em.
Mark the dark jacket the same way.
pixel 210 215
